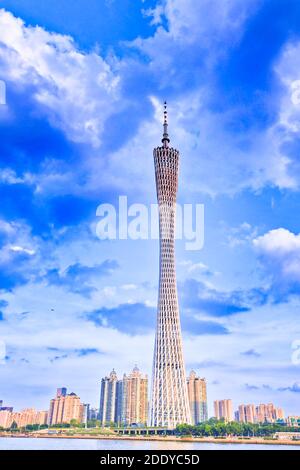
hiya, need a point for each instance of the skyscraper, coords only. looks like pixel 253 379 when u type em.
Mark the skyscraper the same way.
pixel 263 413
pixel 64 408
pixel 223 409
pixel 61 392
pixel 278 414
pixel 268 413
pixel 108 399
pixel 169 401
pixel 120 402
pixel 197 398
pixel 125 401
pixel 247 414
pixel 135 398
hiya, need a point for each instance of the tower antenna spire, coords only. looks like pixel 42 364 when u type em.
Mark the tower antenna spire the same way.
pixel 165 139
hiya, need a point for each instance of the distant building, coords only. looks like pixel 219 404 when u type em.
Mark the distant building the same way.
pixel 7 408
pixel 120 402
pixel 263 413
pixel 30 416
pixel 293 421
pixel 5 419
pixel 26 417
pixel 223 409
pixel 268 413
pixel 279 414
pixel 124 402
pixel 134 398
pixel 93 414
pixel 64 408
pixel 85 413
pixel 247 414
pixel 42 417
pixel 61 392
pixel 108 399
pixel 5 415
pixel 197 398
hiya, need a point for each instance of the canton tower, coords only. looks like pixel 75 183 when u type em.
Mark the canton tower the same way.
pixel 169 401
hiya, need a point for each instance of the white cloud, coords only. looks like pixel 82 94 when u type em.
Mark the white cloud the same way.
pixel 198 36
pixel 278 242
pixel 6 227
pixel 192 267
pixel 286 130
pixel 287 69
pixel 154 13
pixel 129 287
pixel 77 90
pixel 216 161
pixel 279 251
pixel 20 249
pixel 18 239
pixel 240 235
pixel 212 21
pixel 213 159
pixel 8 176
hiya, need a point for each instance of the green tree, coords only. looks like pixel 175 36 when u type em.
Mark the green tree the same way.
pixel 220 428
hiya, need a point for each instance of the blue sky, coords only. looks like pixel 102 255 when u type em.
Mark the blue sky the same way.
pixel 85 87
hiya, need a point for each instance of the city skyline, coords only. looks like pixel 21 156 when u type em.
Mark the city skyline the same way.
pixel 82 112
pixel 68 407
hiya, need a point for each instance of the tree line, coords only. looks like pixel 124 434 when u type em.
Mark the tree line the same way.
pixel 215 428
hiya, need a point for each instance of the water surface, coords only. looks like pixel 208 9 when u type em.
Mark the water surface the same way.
pixel 98 444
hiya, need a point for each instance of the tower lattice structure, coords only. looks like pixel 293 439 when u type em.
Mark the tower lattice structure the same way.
pixel 169 401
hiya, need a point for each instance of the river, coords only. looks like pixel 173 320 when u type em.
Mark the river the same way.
pixel 98 444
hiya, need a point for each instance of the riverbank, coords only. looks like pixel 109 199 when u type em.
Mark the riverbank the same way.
pixel 208 440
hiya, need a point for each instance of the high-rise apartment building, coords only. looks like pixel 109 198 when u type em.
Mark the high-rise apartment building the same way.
pixel 223 410
pixel 5 419
pixel 169 402
pixel 197 398
pixel 135 398
pixel 108 399
pixel 293 421
pixel 268 413
pixel 124 402
pixel 120 405
pixel 26 417
pixel 42 417
pixel 247 414
pixel 263 413
pixel 64 408
pixel 279 414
